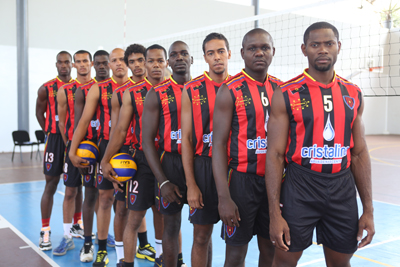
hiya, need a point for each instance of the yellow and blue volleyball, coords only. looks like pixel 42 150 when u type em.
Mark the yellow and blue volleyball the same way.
pixel 88 150
pixel 124 166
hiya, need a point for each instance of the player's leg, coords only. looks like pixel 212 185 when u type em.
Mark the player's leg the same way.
pixel 46 203
pixel 235 255
pixel 145 249
pixel 201 245
pixel 336 259
pixel 130 235
pixel 87 251
pixel 286 259
pixel 77 227
pixel 158 222
pixel 172 225
pixel 120 220
pixel 266 251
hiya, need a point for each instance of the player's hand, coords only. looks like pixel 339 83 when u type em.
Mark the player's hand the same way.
pixel 366 222
pixel 278 228
pixel 170 193
pixel 78 161
pixel 110 174
pixel 194 197
pixel 117 188
pixel 228 212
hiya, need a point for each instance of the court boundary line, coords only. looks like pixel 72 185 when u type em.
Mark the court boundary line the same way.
pixel 29 242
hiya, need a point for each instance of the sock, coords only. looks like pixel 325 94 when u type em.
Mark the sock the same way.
pixel 180 260
pixel 88 239
pixel 158 247
pixel 77 217
pixel 103 244
pixel 128 264
pixel 119 248
pixel 45 223
pixel 143 239
pixel 67 229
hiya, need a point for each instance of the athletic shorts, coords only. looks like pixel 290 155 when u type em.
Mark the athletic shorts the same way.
pixel 249 193
pixel 71 175
pixel 121 196
pixel 324 201
pixel 53 160
pixel 141 188
pixel 171 164
pixel 89 179
pixel 101 182
pixel 205 181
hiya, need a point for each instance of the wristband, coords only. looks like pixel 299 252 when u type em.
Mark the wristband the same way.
pixel 163 183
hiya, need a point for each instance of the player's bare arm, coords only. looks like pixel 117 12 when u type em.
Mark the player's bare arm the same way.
pixel 361 169
pixel 62 109
pixel 41 105
pixel 194 196
pixel 115 108
pixel 79 105
pixel 118 135
pixel 278 128
pixel 80 131
pixel 150 121
pixel 223 112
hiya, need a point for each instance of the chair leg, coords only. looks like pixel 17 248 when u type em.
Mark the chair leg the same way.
pixel 12 158
pixel 20 152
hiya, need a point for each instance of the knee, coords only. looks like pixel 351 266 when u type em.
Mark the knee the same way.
pixel 70 193
pixel 121 210
pixel 201 238
pixel 106 199
pixel 51 185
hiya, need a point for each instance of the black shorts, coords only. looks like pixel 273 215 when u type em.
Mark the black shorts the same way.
pixel 332 210
pixel 101 182
pixel 249 193
pixel 121 196
pixel 205 181
pixel 89 179
pixel 71 175
pixel 171 164
pixel 53 159
pixel 141 187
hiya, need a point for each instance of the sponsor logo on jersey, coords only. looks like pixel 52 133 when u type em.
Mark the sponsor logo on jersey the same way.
pixel 297 90
pixel 132 198
pixel 259 144
pixel 207 139
pixel 326 154
pixel 176 135
pixel 349 101
pixel 230 230
pixel 56 117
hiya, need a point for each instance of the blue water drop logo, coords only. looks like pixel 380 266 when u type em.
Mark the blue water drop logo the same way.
pixel 329 132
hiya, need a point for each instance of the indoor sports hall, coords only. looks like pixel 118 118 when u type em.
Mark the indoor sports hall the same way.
pixel 33 32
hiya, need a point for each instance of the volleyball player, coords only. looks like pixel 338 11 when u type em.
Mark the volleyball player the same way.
pixel 316 128
pixel 239 150
pixel 47 116
pixel 197 115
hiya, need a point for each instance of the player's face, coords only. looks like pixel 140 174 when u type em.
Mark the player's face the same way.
pixel 82 63
pixel 101 67
pixel 217 55
pixel 179 58
pixel 136 64
pixel 258 51
pixel 321 49
pixel 64 65
pixel 156 63
pixel 117 63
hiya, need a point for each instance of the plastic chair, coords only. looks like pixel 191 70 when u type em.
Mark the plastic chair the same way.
pixel 40 137
pixel 21 138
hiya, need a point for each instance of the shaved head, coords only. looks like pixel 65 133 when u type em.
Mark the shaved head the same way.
pixel 177 43
pixel 116 50
pixel 254 32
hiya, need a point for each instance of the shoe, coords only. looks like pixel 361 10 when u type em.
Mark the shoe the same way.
pixel 44 240
pixel 183 265
pixel 147 253
pixel 65 245
pixel 158 261
pixel 121 263
pixel 77 231
pixel 110 241
pixel 87 252
pixel 101 259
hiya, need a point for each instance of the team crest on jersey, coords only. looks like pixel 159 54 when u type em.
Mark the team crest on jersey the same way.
pixel 139 100
pixel 192 211
pixel 230 230
pixel 48 166
pixel 164 203
pixel 349 101
pixel 87 178
pixel 197 87
pixel 239 87
pixel 199 100
pixel 299 104
pixel 297 90
pixel 100 178
pixel 65 177
pixel 242 101
pixel 168 99
pixel 132 199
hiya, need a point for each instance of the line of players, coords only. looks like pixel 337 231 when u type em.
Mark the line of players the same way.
pixel 173 131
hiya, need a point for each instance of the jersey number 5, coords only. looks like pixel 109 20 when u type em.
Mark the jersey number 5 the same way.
pixel 328 103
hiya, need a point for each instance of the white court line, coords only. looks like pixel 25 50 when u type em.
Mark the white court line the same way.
pixel 369 246
pixel 24 247
pixel 61 193
pixel 4 224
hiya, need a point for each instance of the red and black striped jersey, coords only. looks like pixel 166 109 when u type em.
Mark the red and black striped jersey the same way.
pixel 321 120
pixel 247 143
pixel 120 93
pixel 69 90
pixel 169 95
pixel 138 94
pixel 106 89
pixel 91 133
pixel 202 91
pixel 52 87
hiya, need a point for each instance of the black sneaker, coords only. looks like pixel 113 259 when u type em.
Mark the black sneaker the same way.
pixel 101 259
pixel 147 253
pixel 77 231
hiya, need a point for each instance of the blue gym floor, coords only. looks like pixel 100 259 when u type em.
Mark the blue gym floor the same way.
pixel 20 211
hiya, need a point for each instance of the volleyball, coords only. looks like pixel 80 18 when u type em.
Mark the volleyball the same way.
pixel 89 151
pixel 124 166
